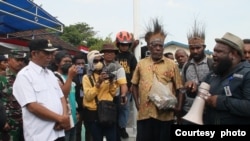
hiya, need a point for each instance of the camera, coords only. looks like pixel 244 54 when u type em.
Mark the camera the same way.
pixel 109 70
pixel 111 76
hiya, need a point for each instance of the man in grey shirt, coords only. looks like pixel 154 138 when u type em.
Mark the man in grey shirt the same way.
pixel 197 66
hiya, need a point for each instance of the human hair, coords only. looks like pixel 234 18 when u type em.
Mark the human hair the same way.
pixel 155 30
pixel 181 50
pixel 246 41
pixel 197 33
pixel 78 56
pixel 168 53
pixel 60 55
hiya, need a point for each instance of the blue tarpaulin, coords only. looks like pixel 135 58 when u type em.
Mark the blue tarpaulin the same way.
pixel 23 15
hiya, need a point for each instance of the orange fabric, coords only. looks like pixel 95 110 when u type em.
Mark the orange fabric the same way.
pixel 196 41
pixel 167 72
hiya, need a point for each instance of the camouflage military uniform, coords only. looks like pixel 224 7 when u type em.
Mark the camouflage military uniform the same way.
pixel 13 109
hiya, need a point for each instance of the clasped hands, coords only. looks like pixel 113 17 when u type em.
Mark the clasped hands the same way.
pixel 63 123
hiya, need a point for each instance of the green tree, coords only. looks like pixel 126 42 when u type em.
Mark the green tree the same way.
pixel 96 43
pixel 83 34
pixel 78 34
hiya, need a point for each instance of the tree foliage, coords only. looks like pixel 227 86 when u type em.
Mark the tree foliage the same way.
pixel 98 42
pixel 83 34
pixel 78 34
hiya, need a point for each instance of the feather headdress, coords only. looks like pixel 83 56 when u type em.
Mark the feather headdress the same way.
pixel 197 34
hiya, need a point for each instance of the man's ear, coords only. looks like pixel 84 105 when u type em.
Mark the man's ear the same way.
pixel 33 53
pixel 233 54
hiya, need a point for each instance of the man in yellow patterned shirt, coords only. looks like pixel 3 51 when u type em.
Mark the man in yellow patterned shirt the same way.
pixel 154 124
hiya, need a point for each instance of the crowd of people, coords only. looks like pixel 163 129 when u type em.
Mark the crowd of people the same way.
pixel 48 94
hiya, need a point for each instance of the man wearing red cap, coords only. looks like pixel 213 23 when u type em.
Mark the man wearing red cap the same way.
pixel 124 41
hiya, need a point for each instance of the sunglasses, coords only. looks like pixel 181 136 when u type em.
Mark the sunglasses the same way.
pixel 97 60
pixel 124 44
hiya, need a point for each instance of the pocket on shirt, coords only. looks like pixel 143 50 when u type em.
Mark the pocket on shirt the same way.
pixel 42 93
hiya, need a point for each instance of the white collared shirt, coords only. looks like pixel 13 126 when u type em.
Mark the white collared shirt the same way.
pixel 36 84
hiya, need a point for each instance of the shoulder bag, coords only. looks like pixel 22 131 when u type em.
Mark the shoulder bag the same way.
pixel 106 110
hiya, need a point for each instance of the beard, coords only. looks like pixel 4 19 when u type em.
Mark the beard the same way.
pixel 197 57
pixel 223 66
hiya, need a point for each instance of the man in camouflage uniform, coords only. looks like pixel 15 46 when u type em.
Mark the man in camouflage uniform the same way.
pixel 12 130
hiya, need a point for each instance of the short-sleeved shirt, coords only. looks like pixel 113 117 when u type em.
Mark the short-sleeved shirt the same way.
pixel 36 84
pixel 128 62
pixel 167 73
pixel 120 75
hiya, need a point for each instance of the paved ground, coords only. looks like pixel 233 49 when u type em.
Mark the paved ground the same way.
pixel 132 135
pixel 131 127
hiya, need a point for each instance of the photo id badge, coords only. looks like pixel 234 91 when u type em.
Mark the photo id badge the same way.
pixel 227 91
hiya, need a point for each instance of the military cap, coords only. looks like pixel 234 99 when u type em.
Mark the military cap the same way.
pixel 41 44
pixel 17 54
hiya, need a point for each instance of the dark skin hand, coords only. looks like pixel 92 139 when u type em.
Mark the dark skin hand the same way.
pixel 211 100
pixel 191 86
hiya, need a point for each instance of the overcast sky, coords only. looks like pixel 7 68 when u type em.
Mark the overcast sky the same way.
pixel 108 17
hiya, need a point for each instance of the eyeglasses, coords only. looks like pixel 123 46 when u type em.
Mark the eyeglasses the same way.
pixel 154 45
pixel 97 60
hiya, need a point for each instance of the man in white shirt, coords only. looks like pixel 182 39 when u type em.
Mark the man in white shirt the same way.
pixel 37 90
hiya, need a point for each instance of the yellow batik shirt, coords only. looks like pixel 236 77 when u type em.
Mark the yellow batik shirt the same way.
pixel 167 73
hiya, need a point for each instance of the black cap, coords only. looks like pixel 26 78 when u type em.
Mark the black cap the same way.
pixel 41 44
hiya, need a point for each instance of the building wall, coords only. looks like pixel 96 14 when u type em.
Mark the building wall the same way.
pixel 173 48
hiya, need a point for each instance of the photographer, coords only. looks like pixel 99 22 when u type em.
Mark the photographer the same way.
pixel 110 52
